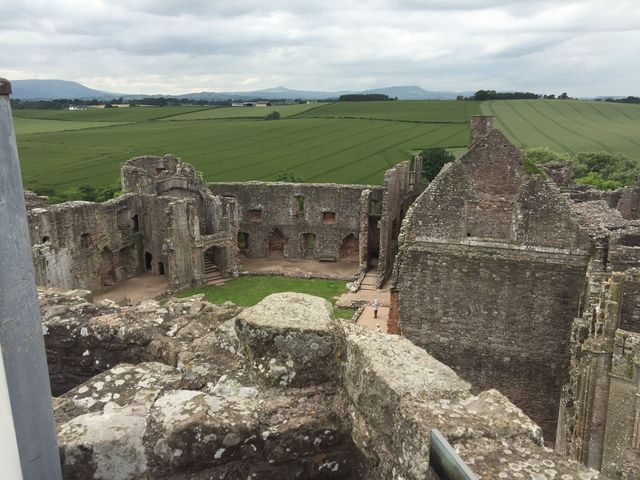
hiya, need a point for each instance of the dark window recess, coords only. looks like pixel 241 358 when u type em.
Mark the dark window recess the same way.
pixel 136 223
pixel 147 261
pixel 308 243
pixel 161 268
pixel 254 215
pixel 85 240
pixel 374 207
pixel 45 239
pixel 300 203
pixel 243 240
pixel 329 217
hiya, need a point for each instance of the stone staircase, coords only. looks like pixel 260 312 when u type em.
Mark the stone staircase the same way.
pixel 369 281
pixel 212 274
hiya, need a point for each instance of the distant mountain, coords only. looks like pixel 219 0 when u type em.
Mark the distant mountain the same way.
pixel 50 89
pixel 401 92
pixel 267 93
pixel 414 92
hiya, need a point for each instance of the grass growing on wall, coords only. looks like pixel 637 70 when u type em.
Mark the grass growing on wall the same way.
pixel 249 290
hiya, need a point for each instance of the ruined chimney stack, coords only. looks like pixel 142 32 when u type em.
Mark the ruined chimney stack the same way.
pixel 480 126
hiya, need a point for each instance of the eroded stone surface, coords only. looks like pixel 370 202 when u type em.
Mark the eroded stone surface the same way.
pixel 288 340
pixel 202 415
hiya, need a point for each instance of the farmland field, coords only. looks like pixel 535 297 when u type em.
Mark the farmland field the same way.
pixel 335 142
pixel 244 112
pixel 325 149
pixel 431 111
pixel 569 126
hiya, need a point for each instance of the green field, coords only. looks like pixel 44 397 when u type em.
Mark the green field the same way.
pixel 244 112
pixel 427 111
pixel 323 149
pixel 569 126
pixel 333 142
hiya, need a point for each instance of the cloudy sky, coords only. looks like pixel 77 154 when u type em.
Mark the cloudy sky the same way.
pixel 176 46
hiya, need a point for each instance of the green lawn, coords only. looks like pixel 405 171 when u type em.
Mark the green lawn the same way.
pixel 249 290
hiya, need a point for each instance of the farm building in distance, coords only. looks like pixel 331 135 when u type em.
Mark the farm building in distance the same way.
pixel 544 273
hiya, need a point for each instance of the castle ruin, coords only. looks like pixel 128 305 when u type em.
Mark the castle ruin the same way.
pixel 525 286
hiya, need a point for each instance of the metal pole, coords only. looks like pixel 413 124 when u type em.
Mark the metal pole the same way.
pixel 444 460
pixel 21 339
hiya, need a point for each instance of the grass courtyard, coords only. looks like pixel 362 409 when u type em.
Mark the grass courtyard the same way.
pixel 248 290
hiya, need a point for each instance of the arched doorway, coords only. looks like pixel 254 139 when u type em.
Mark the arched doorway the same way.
pixel 276 244
pixel 350 249
pixel 214 265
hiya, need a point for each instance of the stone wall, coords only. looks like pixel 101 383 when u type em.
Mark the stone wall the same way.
pixel 600 408
pixel 401 187
pixel 490 275
pixel 93 245
pixel 298 220
pixel 279 390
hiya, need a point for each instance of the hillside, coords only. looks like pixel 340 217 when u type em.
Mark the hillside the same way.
pixel 53 89
pixel 50 89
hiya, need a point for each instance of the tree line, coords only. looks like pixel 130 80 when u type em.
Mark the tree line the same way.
pixel 629 99
pixel 64 103
pixel 483 95
pixel 365 97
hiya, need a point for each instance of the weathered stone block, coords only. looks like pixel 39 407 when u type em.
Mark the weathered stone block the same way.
pixel 287 339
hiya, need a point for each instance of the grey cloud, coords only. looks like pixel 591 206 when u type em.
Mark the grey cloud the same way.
pixel 246 44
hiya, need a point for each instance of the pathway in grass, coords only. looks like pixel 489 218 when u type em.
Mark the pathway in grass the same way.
pixel 249 290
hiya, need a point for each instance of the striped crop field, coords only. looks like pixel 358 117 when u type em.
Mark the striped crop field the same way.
pixel 344 142
pixel 244 112
pixel 331 148
pixel 569 126
pixel 427 111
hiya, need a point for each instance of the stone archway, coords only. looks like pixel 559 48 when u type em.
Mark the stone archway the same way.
pixel 276 244
pixel 349 249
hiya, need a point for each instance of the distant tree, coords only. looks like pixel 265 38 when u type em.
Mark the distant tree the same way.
pixel 549 97
pixel 594 179
pixel 273 116
pixel 287 176
pixel 364 97
pixel 87 192
pixel 629 99
pixel 433 159
pixel 541 155
pixel 603 170
pixel 563 96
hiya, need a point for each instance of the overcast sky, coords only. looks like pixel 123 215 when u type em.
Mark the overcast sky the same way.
pixel 177 46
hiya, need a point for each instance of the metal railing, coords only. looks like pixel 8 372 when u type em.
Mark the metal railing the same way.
pixel 445 462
